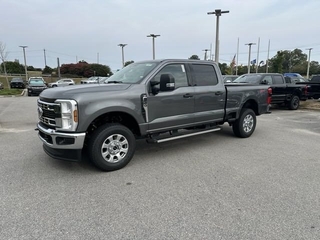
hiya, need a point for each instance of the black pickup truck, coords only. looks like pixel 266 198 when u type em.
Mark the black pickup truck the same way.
pixel 158 100
pixel 313 87
pixel 282 92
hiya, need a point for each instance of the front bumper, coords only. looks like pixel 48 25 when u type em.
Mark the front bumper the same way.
pixel 64 146
pixel 58 140
pixel 36 91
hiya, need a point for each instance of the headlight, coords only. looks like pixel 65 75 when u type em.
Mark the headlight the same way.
pixel 68 113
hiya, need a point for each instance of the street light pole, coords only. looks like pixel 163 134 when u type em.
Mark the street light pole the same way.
pixel 218 13
pixel 308 62
pixel 205 53
pixel 122 45
pixel 25 61
pixel 249 44
pixel 153 48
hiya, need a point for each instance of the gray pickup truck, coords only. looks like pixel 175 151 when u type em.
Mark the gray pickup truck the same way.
pixel 158 100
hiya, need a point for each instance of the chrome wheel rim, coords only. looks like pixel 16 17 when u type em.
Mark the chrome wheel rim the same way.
pixel 114 148
pixel 248 123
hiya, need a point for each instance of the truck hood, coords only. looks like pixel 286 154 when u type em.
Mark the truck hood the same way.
pixel 74 91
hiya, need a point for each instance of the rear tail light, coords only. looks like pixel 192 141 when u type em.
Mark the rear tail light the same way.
pixel 269 95
pixel 306 90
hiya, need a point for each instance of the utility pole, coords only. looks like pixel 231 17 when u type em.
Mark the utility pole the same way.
pixel 237 57
pixel 98 58
pixel 205 53
pixel 257 63
pixel 122 45
pixel 218 13
pixel 45 58
pixel 153 47
pixel 249 44
pixel 267 64
pixel 25 61
pixel 309 49
pixel 59 76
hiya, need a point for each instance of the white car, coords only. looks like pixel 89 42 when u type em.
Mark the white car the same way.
pixel 90 80
pixel 62 83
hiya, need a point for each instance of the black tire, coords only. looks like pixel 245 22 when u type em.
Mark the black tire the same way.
pixel 54 86
pixel 294 103
pixel 119 134
pixel 245 125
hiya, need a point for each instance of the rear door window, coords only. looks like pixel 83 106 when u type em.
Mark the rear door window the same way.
pixel 204 75
pixel 277 79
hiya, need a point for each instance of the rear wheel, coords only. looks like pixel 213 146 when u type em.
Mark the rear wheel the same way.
pixel 245 125
pixel 294 103
pixel 111 147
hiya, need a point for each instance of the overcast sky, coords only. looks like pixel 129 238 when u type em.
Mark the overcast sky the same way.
pixel 83 29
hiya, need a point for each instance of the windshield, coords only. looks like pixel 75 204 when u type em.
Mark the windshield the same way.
pixel 248 79
pixel 132 73
pixel 36 82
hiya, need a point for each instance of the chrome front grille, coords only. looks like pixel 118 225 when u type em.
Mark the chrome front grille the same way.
pixel 48 113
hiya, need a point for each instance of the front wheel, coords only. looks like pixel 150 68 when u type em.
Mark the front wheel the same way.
pixel 294 103
pixel 245 125
pixel 111 147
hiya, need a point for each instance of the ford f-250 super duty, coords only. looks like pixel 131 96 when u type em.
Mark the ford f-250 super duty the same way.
pixel 157 100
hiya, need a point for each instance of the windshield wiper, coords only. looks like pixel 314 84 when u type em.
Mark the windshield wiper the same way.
pixel 114 82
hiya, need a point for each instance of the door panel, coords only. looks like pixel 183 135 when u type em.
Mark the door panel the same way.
pixel 175 108
pixel 169 109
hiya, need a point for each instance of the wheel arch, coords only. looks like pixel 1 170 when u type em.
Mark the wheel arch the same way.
pixel 120 117
pixel 251 104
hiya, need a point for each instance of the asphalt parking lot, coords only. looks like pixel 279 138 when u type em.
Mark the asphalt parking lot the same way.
pixel 212 186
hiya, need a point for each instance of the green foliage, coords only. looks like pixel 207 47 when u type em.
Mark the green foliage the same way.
pixel 11 91
pixel 195 57
pixel 128 63
pixel 14 67
pixel 225 69
pixel 47 70
pixel 85 69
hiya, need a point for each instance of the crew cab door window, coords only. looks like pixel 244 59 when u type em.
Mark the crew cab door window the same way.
pixel 204 75
pixel 177 71
pixel 277 80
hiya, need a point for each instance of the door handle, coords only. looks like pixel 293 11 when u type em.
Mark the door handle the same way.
pixel 188 95
pixel 218 93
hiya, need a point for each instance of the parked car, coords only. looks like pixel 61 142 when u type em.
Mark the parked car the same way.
pixel 36 86
pixel 282 92
pixel 62 83
pixel 17 83
pixel 154 100
pixel 294 79
pixel 36 78
pixel 91 80
pixel 1 85
pixel 229 78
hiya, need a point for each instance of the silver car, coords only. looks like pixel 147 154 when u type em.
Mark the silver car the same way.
pixel 94 80
pixel 62 83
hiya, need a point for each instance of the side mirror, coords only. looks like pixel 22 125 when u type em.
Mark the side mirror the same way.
pixel 264 82
pixel 167 82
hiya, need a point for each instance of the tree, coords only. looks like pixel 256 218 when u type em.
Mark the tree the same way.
pixel 47 70
pixel 128 63
pixel 85 69
pixel 195 57
pixel 288 61
pixel 14 67
pixel 3 57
